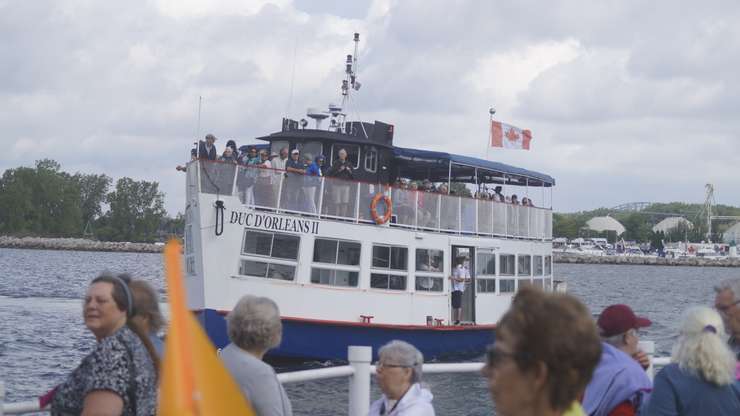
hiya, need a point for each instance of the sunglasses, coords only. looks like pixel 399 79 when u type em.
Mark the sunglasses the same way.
pixel 494 357
pixel 724 308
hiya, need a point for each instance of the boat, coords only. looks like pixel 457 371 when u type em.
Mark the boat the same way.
pixel 362 261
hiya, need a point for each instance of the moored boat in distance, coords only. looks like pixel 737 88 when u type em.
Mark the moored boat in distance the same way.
pixel 362 261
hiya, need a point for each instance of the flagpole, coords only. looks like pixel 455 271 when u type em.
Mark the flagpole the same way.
pixel 491 112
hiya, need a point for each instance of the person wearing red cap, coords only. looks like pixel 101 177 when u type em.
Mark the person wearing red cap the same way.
pixel 619 386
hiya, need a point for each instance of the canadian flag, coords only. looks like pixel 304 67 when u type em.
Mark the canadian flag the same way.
pixel 509 137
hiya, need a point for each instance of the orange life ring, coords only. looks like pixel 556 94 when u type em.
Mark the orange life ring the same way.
pixel 374 209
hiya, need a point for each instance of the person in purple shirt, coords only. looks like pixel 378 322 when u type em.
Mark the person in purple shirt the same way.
pixel 619 384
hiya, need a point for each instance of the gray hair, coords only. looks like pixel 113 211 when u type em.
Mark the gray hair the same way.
pixel 732 285
pixel 405 354
pixel 254 323
pixel 701 349
pixel 616 341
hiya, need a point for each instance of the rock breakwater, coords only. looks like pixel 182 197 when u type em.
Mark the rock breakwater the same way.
pixel 77 244
pixel 559 257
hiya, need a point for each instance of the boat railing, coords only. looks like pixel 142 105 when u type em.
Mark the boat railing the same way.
pixel 359 371
pixel 329 197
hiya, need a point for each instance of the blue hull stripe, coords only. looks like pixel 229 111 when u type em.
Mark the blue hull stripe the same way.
pixel 316 340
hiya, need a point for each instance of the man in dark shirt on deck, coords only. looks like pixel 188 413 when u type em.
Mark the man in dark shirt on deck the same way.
pixel 341 169
pixel 207 148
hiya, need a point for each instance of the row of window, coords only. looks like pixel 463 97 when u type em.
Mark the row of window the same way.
pixel 337 263
pixel 316 148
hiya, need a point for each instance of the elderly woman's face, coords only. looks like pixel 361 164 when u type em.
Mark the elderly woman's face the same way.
pixel 100 312
pixel 393 379
pixel 511 388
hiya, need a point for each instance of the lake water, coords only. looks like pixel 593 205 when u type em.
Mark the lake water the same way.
pixel 42 337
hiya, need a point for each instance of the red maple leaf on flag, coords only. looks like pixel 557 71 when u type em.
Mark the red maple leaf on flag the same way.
pixel 512 135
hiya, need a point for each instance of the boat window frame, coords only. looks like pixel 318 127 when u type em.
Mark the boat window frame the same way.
pixel 272 244
pixel 371 155
pixel 501 263
pixel 301 145
pixel 336 253
pixel 548 265
pixel 269 260
pixel 538 265
pixel 441 268
pixel 484 280
pixel 339 146
pixel 519 265
pixel 390 258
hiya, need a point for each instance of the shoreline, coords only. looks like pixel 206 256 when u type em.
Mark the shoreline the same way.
pixel 570 258
pixel 77 244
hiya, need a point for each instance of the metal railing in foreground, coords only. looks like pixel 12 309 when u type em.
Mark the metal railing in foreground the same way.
pixel 328 197
pixel 359 371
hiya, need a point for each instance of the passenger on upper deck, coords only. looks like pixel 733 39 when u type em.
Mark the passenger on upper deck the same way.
pixel 207 148
pixel 228 155
pixel 619 385
pixel 279 163
pixel 727 303
pixel 232 144
pixel 342 169
pixel 263 189
pixel 294 194
pixel 498 195
pixel 514 200
pixel 442 189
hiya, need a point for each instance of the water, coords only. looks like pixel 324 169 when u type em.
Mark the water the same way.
pixel 42 337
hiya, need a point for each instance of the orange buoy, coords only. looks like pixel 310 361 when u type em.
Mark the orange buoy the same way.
pixel 374 208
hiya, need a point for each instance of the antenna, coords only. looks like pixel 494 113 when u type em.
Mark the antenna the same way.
pixel 708 202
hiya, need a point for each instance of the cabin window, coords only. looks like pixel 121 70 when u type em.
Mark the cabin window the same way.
pixel 387 281
pixel 353 153
pixel 371 160
pixel 429 283
pixel 538 283
pixel 333 277
pixel 276 145
pixel 507 286
pixel 339 252
pixel 336 252
pixel 277 245
pixel 506 265
pixel 548 265
pixel 428 260
pixel 485 272
pixel 485 285
pixel 312 149
pixel 390 257
pixel 523 283
pixel 267 270
pixel 525 265
pixel 537 260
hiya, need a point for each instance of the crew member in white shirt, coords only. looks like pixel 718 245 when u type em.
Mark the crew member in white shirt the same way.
pixel 460 277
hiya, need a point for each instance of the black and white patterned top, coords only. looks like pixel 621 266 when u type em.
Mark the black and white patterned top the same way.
pixel 121 364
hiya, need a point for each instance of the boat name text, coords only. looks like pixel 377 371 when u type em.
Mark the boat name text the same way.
pixel 254 220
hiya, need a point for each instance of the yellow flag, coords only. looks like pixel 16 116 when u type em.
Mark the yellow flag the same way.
pixel 193 381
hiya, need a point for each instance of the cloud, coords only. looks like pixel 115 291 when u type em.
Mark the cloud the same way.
pixel 625 102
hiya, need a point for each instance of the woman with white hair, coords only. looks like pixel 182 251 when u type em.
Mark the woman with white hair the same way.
pixel 399 378
pixel 700 380
pixel 254 327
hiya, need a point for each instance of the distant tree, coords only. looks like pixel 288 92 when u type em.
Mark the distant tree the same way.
pixel 136 211
pixel 93 191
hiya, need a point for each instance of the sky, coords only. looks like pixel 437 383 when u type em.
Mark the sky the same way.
pixel 627 101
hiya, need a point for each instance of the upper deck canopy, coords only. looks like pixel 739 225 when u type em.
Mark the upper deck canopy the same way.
pixel 437 166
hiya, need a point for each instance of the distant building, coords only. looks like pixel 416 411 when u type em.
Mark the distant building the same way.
pixel 732 235
pixel 670 223
pixel 607 223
